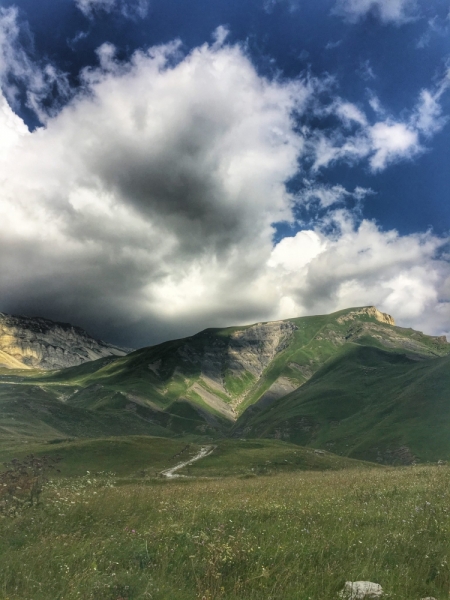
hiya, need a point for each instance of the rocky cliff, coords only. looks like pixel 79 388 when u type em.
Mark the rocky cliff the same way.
pixel 40 343
pixel 369 311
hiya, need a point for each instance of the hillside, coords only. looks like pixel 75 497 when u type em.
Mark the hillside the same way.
pixel 43 344
pixel 325 380
pixel 366 403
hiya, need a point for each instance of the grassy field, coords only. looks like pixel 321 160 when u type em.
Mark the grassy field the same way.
pixel 293 535
pixel 248 458
pixel 144 456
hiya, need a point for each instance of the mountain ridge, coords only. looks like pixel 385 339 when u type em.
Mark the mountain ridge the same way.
pixel 282 379
pixel 36 342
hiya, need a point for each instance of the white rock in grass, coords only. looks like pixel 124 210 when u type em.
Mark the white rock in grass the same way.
pixel 428 598
pixel 357 590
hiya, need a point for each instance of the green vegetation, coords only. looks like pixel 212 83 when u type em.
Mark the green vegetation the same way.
pixel 132 456
pixel 143 456
pixel 263 517
pixel 362 388
pixel 293 535
pixel 247 458
pixel 236 386
pixel 366 403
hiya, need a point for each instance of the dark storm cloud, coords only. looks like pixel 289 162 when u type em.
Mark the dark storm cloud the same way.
pixel 151 194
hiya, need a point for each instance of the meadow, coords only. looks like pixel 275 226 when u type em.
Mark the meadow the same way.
pixel 290 534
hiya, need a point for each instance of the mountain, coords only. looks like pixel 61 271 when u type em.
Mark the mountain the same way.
pixel 27 343
pixel 351 382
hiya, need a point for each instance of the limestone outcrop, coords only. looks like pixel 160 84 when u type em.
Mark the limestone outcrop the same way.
pixel 370 311
pixel 43 344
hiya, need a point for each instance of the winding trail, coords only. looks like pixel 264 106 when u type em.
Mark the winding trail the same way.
pixel 171 473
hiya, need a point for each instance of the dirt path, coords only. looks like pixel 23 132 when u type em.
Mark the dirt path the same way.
pixel 171 473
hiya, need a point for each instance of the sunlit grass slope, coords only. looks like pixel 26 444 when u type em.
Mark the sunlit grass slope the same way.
pixel 295 536
pixel 364 402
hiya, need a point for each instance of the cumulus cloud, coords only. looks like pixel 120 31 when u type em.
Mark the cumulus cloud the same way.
pixel 13 128
pixel 144 208
pixel 127 8
pixel 160 174
pixel 388 11
pixel 360 265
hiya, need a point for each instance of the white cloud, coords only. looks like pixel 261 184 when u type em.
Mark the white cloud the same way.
pixel 362 265
pixel 332 45
pixel 17 68
pixel 383 142
pixel 375 105
pixel 328 195
pixel 388 11
pixel 295 253
pixel 391 141
pixel 128 8
pixel 269 5
pixel 349 113
pixel 12 128
pixel 366 71
pixel 428 117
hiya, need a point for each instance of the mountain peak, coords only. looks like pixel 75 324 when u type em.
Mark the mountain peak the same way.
pixel 370 311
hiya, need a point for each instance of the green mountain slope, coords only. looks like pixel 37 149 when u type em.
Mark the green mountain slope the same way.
pixel 203 384
pixel 365 403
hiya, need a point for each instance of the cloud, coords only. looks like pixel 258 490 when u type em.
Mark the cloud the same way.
pixel 350 114
pixel 366 71
pixel 384 141
pixel 328 195
pixel 388 11
pixel 129 9
pixel 161 173
pixel 390 141
pixel 428 117
pixel 12 130
pixel 144 208
pixel 20 73
pixel 269 5
pixel 332 45
pixel 360 265
pixel 437 27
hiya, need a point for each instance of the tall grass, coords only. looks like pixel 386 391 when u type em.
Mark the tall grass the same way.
pixel 288 536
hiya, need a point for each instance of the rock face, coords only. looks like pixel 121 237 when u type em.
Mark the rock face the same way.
pixel 370 311
pixel 39 343
pixel 254 348
pixel 248 350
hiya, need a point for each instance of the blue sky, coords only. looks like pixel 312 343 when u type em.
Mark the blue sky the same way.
pixel 172 165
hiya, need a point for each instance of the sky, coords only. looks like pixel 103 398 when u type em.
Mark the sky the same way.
pixel 172 165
